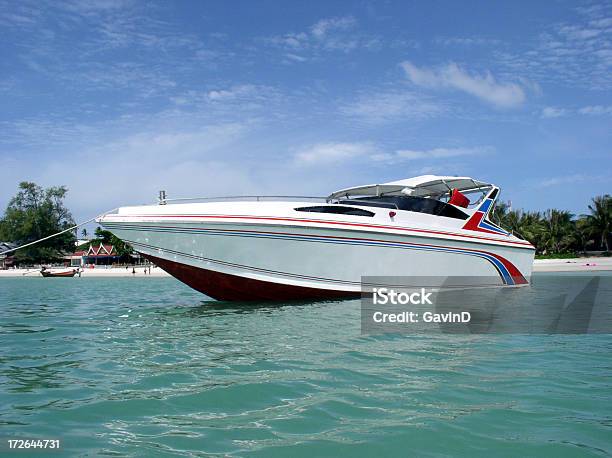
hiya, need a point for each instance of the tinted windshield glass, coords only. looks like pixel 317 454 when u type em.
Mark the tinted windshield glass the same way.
pixel 335 209
pixel 413 204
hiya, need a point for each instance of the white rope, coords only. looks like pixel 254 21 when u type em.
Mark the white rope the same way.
pixel 58 233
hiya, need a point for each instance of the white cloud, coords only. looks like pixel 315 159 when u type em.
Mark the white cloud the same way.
pixel 324 26
pixel 387 105
pixel 574 53
pixel 554 112
pixel 95 6
pixel 467 41
pixel 241 91
pixel 579 33
pixel 484 87
pixel 238 101
pixel 187 161
pixel 187 153
pixel 566 179
pixel 120 46
pixel 292 40
pixel 328 34
pixel 590 110
pixel 325 153
pixel 295 57
pixel 596 110
pixel 403 155
pixel 438 153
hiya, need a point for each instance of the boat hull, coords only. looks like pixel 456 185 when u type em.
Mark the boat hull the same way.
pixel 63 274
pixel 228 287
pixel 235 261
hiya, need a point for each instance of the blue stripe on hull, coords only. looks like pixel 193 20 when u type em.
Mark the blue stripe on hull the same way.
pixel 501 269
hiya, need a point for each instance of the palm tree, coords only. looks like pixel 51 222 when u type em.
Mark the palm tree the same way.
pixel 559 230
pixel 506 218
pixel 583 233
pixel 600 219
pixel 499 212
pixel 556 231
pixel 532 227
pixel 528 225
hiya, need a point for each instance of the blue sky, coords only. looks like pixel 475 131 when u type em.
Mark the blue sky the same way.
pixel 117 99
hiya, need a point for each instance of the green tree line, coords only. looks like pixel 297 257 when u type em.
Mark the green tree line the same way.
pixel 558 232
pixel 35 213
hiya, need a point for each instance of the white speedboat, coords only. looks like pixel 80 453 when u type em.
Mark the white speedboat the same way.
pixel 274 249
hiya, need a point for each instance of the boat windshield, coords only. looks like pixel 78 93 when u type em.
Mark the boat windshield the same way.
pixel 413 204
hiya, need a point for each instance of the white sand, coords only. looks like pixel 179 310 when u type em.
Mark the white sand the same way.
pixel 539 265
pixel 95 272
pixel 572 265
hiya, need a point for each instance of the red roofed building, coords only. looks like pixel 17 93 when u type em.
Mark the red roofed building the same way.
pixel 103 254
pixel 101 251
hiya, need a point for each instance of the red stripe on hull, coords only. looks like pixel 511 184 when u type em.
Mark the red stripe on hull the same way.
pixel 340 223
pixel 227 287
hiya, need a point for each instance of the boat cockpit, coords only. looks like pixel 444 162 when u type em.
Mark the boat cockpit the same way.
pixel 413 204
pixel 451 197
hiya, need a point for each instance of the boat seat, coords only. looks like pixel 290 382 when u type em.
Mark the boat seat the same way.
pixel 458 198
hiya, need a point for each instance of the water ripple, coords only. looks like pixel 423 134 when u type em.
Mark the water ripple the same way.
pixel 149 369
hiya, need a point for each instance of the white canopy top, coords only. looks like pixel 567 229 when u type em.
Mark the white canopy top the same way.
pixel 421 186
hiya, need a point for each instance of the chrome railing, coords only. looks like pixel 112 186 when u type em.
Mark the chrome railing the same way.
pixel 164 201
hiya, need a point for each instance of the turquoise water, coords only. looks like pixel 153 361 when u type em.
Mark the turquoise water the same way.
pixel 147 367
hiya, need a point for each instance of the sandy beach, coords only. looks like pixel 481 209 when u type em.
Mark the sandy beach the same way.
pixel 572 265
pixel 95 272
pixel 539 265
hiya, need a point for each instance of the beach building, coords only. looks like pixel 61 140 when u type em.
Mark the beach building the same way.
pixel 6 260
pixel 100 255
pixel 75 259
pixel 103 254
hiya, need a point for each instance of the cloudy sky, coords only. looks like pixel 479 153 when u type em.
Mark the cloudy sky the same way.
pixel 117 98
